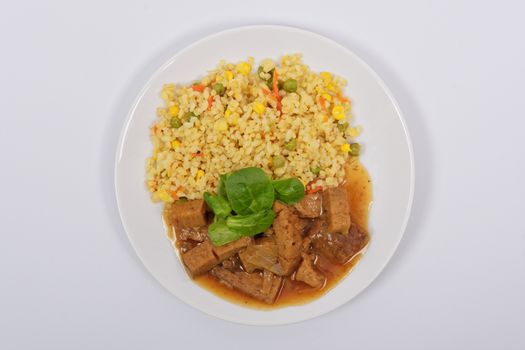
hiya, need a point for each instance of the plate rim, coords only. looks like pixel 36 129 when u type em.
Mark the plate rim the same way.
pixel 298 30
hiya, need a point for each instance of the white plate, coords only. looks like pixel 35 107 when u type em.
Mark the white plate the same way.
pixel 387 154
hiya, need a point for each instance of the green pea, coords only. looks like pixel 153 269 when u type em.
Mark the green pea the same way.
pixel 342 126
pixel 315 170
pixel 175 123
pixel 261 70
pixel 219 88
pixel 291 145
pixel 269 83
pixel 290 85
pixel 189 115
pixel 355 149
pixel 278 162
pixel 196 83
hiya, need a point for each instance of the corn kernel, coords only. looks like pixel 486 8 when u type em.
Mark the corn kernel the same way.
pixel 345 148
pixel 200 173
pixel 327 77
pixel 244 68
pixel 175 144
pixel 221 125
pixel 227 113
pixel 338 112
pixel 228 74
pixel 325 118
pixel 164 196
pixel 331 87
pixel 232 118
pixel 327 97
pixel 174 111
pixel 354 132
pixel 259 108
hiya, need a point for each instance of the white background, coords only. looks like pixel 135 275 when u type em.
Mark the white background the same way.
pixel 68 75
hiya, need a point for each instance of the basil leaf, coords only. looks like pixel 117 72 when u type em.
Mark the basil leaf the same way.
pixel 221 189
pixel 220 234
pixel 218 204
pixel 249 191
pixel 250 225
pixel 288 191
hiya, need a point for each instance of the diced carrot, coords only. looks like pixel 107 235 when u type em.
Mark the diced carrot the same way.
pixel 275 83
pixel 322 103
pixel 210 101
pixel 198 154
pixel 154 129
pixel 198 87
pixel 177 190
pixel 267 92
pixel 342 98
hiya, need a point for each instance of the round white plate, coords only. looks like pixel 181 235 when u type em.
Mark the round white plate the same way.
pixel 387 154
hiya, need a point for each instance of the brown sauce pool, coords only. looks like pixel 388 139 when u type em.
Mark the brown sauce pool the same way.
pixel 293 292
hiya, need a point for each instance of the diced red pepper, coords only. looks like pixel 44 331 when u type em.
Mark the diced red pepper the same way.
pixel 198 87
pixel 315 189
